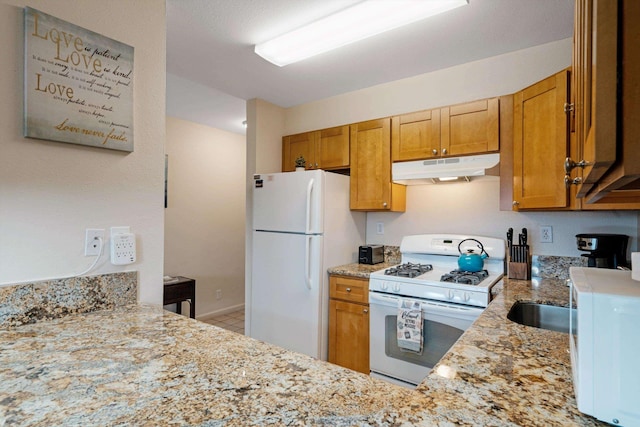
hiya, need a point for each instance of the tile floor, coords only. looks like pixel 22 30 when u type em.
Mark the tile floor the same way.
pixel 233 321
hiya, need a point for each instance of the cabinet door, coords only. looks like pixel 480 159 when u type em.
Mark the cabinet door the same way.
pixel 294 146
pixel 595 83
pixel 415 136
pixel 333 148
pixel 470 128
pixel 540 142
pixel 349 335
pixel 371 187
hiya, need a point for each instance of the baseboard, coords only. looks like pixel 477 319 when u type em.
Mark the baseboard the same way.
pixel 212 314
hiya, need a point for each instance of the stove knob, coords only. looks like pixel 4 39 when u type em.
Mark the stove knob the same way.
pixel 384 286
pixel 451 294
pixel 396 288
pixel 467 297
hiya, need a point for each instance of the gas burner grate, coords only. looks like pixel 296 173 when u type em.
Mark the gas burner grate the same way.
pixel 465 277
pixel 408 270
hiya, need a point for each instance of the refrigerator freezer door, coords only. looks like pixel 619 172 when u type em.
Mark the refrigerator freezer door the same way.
pixel 290 202
pixel 286 307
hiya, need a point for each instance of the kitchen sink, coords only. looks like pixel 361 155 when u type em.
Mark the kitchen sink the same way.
pixel 542 316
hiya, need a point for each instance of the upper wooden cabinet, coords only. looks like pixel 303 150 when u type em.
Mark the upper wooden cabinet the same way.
pixel 415 136
pixel 540 140
pixel 463 129
pixel 606 86
pixel 294 146
pixel 322 149
pixel 371 186
pixel 470 128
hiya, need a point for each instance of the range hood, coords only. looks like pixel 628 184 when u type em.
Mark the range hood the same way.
pixel 430 171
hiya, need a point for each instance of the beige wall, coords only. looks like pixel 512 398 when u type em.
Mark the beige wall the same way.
pixel 499 75
pixel 205 217
pixel 50 192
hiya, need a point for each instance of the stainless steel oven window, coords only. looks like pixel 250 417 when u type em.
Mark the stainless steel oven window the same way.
pixel 437 340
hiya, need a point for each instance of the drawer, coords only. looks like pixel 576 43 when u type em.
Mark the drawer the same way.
pixel 349 289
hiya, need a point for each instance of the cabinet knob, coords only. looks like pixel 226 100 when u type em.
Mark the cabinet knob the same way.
pixel 569 164
pixel 515 203
pixel 366 310
pixel 348 289
pixel 444 151
pixel 435 152
pixel 384 204
pixel 316 165
pixel 568 182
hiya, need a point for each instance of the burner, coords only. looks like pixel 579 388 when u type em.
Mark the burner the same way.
pixel 408 270
pixel 465 277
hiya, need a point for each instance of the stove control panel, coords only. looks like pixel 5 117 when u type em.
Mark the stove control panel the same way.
pixel 447 293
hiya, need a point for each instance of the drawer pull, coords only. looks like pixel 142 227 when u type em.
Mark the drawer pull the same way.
pixel 366 310
pixel 348 289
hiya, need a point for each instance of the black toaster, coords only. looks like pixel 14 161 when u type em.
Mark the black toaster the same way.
pixel 371 254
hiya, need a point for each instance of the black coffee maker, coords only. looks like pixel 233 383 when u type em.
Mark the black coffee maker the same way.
pixel 604 250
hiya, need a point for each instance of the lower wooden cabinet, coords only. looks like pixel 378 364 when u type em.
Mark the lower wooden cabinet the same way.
pixel 349 322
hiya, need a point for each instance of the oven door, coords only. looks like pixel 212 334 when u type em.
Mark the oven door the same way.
pixel 442 325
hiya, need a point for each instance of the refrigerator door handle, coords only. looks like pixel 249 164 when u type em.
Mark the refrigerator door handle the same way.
pixel 308 213
pixel 307 263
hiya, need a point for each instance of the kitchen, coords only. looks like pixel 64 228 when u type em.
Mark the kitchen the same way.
pixel 54 219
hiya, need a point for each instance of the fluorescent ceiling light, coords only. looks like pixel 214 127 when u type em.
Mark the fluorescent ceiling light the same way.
pixel 358 22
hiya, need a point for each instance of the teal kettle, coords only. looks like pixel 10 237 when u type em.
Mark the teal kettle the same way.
pixel 471 261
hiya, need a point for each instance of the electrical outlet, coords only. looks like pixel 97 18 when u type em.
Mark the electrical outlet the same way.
pixel 380 228
pixel 546 234
pixel 218 293
pixel 123 246
pixel 92 245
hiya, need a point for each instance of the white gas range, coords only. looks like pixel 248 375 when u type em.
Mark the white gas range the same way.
pixel 450 300
pixel 440 251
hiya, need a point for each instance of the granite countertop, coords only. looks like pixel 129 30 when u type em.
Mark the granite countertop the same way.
pixel 138 364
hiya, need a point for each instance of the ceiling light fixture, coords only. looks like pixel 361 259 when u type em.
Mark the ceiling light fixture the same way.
pixel 358 22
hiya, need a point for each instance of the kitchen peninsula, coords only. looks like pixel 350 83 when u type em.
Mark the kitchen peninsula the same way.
pixel 137 364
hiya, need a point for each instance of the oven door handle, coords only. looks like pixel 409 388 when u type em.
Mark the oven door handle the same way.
pixel 376 298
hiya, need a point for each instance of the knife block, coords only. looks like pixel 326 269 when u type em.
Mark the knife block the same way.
pixel 520 269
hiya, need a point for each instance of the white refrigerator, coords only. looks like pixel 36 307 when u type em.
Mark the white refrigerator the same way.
pixel 302 225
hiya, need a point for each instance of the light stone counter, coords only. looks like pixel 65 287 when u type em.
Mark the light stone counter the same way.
pixel 140 365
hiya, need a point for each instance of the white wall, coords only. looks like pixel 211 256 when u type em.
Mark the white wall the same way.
pixel 471 207
pixel 205 217
pixel 50 192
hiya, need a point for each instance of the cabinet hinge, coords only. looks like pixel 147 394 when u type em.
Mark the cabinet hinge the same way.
pixel 568 107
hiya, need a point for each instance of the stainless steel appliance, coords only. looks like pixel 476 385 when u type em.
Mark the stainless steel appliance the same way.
pixel 604 250
pixel 450 301
pixel 371 254
pixel 301 226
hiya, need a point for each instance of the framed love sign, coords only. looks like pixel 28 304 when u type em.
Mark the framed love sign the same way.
pixel 78 84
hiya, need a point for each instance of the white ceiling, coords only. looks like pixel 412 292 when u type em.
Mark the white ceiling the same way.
pixel 213 69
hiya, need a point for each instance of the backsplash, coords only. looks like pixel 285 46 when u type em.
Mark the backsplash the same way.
pixel 32 302
pixel 554 267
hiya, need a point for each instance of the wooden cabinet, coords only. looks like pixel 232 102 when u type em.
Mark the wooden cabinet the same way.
pixel 606 85
pixel 470 128
pixel 294 146
pixel 540 141
pixel 371 186
pixel 322 149
pixel 415 136
pixel 458 130
pixel 349 322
